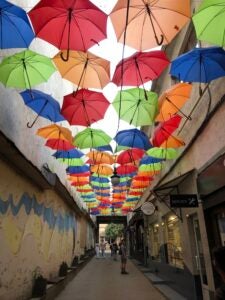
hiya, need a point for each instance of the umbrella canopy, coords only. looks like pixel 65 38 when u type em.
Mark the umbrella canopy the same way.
pixel 104 148
pixel 15 29
pixel 72 161
pixel 55 132
pixel 90 138
pixel 151 167
pixel 172 100
pixel 25 69
pixel 199 65
pixel 43 104
pixel 146 160
pixel 133 138
pixel 126 169
pixel 136 106
pixel 140 68
pixel 99 157
pixel 86 70
pixel 165 130
pixel 130 155
pixel 74 153
pixel 59 144
pixel 84 107
pixel 164 153
pixel 149 23
pixel 102 169
pixel 173 142
pixel 209 22
pixel 79 169
pixel 70 24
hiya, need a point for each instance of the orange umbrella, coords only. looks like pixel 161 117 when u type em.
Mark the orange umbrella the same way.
pixel 102 169
pixel 173 142
pixel 78 179
pixel 149 23
pixel 55 132
pixel 84 69
pixel 99 157
pixel 172 100
pixel 148 173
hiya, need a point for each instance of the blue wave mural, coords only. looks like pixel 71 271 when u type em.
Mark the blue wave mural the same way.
pixel 63 223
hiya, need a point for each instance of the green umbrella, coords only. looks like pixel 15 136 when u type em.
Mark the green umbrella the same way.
pixel 25 69
pixel 120 148
pixel 209 22
pixel 136 106
pixel 150 167
pixel 76 162
pixel 100 184
pixel 164 153
pixel 91 138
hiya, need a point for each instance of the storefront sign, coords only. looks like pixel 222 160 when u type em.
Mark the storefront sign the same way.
pixel 148 208
pixel 184 200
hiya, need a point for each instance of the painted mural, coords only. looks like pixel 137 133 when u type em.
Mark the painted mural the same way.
pixel 33 235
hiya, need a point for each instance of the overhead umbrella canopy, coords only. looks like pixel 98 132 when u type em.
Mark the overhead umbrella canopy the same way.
pixel 59 144
pixel 133 138
pixel 209 22
pixel 149 23
pixel 136 106
pixel 84 107
pixel 25 69
pixel 15 29
pixel 99 157
pixel 77 25
pixel 102 169
pixel 172 142
pixel 55 132
pixel 84 69
pixel 140 68
pixel 74 153
pixel 130 155
pixel 164 153
pixel 91 138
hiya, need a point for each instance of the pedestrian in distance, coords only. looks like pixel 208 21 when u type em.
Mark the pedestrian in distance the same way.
pixel 114 250
pixel 219 264
pixel 102 248
pixel 123 255
pixel 97 250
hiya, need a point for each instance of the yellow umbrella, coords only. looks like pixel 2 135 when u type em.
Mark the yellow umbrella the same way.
pixel 102 169
pixel 99 157
pixel 55 132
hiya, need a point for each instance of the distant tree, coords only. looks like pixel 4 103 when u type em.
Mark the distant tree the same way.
pixel 113 231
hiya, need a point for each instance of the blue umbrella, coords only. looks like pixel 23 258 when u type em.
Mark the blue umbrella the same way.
pixel 103 194
pixel 199 65
pixel 15 29
pixel 76 170
pixel 73 153
pixel 146 160
pixel 99 179
pixel 43 104
pixel 104 148
pixel 98 188
pixel 133 138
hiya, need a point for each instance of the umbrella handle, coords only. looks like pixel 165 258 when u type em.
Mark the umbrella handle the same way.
pixel 159 42
pixel 67 55
pixel 32 124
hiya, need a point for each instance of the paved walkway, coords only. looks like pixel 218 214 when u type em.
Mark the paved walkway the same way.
pixel 100 279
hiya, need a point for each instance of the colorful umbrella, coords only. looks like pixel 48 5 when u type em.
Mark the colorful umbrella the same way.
pixel 172 100
pixel 140 68
pixel 165 130
pixel 25 69
pixel 86 70
pixel 74 153
pixel 84 107
pixel 69 24
pixel 126 169
pixel 150 167
pixel 146 160
pixel 58 144
pixel 15 29
pixel 173 142
pixel 76 162
pixel 199 65
pixel 104 148
pixel 55 132
pixel 133 138
pixel 90 138
pixel 99 157
pixel 102 169
pixel 164 153
pixel 136 106
pixel 43 104
pixel 81 169
pixel 146 24
pixel 209 22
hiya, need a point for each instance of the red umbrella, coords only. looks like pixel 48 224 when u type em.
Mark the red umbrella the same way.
pixel 140 68
pixel 126 169
pixel 165 130
pixel 79 183
pixel 59 144
pixel 75 25
pixel 142 178
pixel 84 107
pixel 130 155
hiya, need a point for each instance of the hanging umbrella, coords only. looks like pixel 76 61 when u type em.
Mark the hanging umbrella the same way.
pixel 165 130
pixel 86 70
pixel 69 24
pixel 15 29
pixel 104 148
pixel 58 144
pixel 142 178
pixel 55 132
pixel 84 107
pixel 80 183
pixel 172 100
pixel 43 104
pixel 173 142
pixel 150 167
pixel 149 23
pixel 146 160
pixel 90 138
pixel 209 22
pixel 102 169
pixel 164 153
pixel 133 138
pixel 25 69
pixel 74 153
pixel 99 179
pixel 76 162
pixel 199 65
pixel 140 68
pixel 74 170
pixel 126 169
pixel 99 157
pixel 78 179
pixel 136 106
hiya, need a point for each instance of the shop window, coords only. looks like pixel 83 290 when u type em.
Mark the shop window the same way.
pixel 154 245
pixel 173 241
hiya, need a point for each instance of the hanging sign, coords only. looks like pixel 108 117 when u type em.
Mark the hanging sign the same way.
pixel 148 208
pixel 184 200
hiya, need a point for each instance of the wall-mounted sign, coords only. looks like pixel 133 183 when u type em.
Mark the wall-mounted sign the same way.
pixel 148 208
pixel 184 200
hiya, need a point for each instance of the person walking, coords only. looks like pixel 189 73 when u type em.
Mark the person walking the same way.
pixel 114 250
pixel 123 255
pixel 219 264
pixel 97 250
pixel 102 248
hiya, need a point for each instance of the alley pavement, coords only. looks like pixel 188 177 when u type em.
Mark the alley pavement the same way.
pixel 101 279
